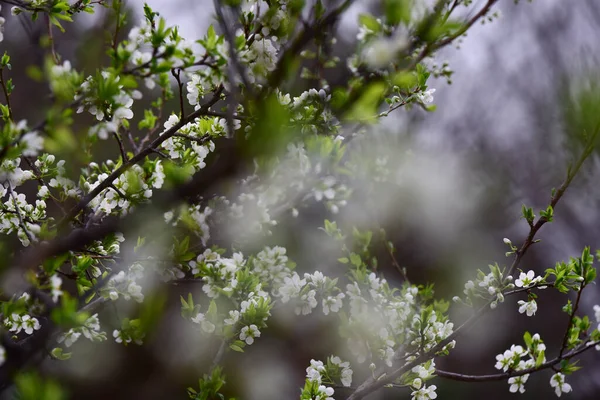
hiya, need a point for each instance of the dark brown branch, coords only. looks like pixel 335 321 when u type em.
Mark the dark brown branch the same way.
pixel 565 340
pixel 235 62
pixel 396 264
pixel 138 157
pixel 176 72
pixel 121 148
pixel 482 13
pixel 202 182
pixel 534 228
pixel 200 140
pixel 527 289
pixel 499 377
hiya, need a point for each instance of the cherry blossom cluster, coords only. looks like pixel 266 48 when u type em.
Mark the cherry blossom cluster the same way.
pixel 319 375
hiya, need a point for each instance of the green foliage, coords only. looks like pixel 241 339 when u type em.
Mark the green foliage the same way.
pixel 209 386
pixel 31 386
pixel 580 109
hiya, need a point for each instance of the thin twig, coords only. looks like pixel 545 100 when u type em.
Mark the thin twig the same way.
pixel 176 72
pixel 6 94
pixel 235 62
pixel 117 191
pixel 118 25
pixel 151 132
pixel 160 153
pixel 219 354
pixel 232 67
pixel 396 264
pixel 527 289
pixel 51 40
pixel 200 140
pixel 535 227
pixel 565 340
pixel 502 376
pixel 121 148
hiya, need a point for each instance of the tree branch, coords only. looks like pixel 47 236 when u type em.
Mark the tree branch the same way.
pixel 138 157
pixel 499 377
pixel 372 384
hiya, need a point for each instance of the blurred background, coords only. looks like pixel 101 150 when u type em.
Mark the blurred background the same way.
pixel 496 141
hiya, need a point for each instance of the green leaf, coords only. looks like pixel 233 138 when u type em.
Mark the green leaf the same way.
pixel 30 386
pixel 527 214
pixel 365 108
pixel 58 353
pixel 540 359
pixel 547 214
pixel 527 339
pixel 319 9
pixel 369 22
pixel 398 11
pixel 236 348
pixel 56 23
pixel 212 308
pixel 405 80
pixel 355 260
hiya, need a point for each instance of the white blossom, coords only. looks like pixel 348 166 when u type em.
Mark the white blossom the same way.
pixel 34 143
pixel 314 371
pixel 382 52
pixel 346 372
pixel 2 21
pixel 291 287
pixel 234 317
pixel 527 279
pixel 425 393
pixel 55 283
pixel 325 392
pixel 120 337
pixel 333 303
pixel 69 338
pixel 517 383
pixel 597 313
pixel 306 303
pixel 248 333
pixel 206 325
pixel 557 381
pixel 426 97
pixel 530 307
pixel 29 324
